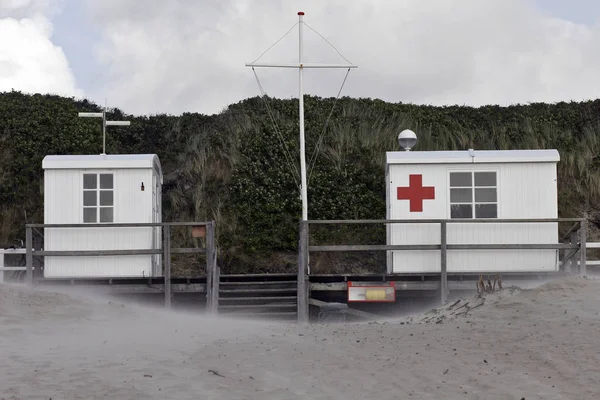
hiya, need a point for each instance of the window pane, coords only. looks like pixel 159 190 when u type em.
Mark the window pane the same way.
pixel 461 195
pixel 89 215
pixel 486 211
pixel 89 198
pixel 89 181
pixel 106 214
pixel 460 179
pixel 106 181
pixel 485 179
pixel 485 195
pixel 106 198
pixel 461 211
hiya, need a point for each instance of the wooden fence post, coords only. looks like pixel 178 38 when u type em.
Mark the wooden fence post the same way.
pixel 568 260
pixel 215 292
pixel 29 254
pixel 167 261
pixel 583 246
pixel 444 272
pixel 212 277
pixel 302 268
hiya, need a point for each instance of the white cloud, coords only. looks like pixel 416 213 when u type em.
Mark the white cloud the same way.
pixel 185 55
pixel 29 61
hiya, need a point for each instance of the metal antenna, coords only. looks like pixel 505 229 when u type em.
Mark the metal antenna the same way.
pixel 301 66
pixel 105 123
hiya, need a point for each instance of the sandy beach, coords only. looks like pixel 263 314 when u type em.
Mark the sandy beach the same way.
pixel 539 343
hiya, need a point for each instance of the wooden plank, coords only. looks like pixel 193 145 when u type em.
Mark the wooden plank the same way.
pixel 374 247
pixel 258 283
pixel 589 263
pixel 95 253
pixel 433 221
pixel 444 272
pixel 256 306
pixel 167 261
pixel 98 253
pixel 119 225
pixel 583 247
pixel 29 255
pixel 516 246
pixel 216 289
pixel 249 315
pixel 290 290
pixel 210 273
pixel 267 275
pixel 270 298
pixel 13 251
pixel 212 270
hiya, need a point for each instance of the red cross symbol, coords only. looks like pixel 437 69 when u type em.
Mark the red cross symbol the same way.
pixel 416 193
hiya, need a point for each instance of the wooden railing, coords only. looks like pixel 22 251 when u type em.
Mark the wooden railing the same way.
pixel 573 244
pixel 166 251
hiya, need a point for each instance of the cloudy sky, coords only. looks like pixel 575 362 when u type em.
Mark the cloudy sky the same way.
pixel 157 56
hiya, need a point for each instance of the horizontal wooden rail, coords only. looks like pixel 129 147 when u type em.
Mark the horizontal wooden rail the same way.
pixel 118 225
pixel 98 253
pixel 166 251
pixel 437 221
pixel 557 246
pixel 574 244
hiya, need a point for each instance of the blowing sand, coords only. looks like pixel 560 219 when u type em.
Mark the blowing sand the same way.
pixel 540 343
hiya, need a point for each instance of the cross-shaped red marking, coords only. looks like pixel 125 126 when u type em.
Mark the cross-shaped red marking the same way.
pixel 416 193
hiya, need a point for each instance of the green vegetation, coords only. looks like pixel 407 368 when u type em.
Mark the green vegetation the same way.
pixel 236 168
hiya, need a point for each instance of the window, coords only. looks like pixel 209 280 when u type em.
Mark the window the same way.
pixel 98 198
pixel 473 195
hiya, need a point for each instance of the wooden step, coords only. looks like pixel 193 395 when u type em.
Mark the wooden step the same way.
pixel 258 290
pixel 272 298
pixel 258 283
pixel 263 315
pixel 265 276
pixel 255 306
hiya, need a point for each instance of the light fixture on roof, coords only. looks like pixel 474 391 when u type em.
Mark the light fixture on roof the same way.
pixel 105 123
pixel 407 139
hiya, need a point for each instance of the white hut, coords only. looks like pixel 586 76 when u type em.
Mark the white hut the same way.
pixel 516 184
pixel 102 189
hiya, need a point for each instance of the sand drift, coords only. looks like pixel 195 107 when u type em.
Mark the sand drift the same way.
pixel 536 343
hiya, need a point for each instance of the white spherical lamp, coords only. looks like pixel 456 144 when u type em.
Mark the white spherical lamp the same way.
pixel 407 139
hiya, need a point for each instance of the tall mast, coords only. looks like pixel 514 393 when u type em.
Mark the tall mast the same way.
pixel 301 66
pixel 304 189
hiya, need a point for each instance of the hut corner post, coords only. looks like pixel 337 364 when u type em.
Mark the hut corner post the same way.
pixel 29 254
pixel 167 263
pixel 302 273
pixel 444 272
pixel 213 277
pixel 583 246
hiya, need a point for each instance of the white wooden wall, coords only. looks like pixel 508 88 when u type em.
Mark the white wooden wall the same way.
pixel 63 202
pixel 525 191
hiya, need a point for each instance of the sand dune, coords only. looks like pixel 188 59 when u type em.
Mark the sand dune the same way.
pixel 538 343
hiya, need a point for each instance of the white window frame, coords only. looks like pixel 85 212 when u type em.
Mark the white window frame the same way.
pixel 97 190
pixel 473 203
